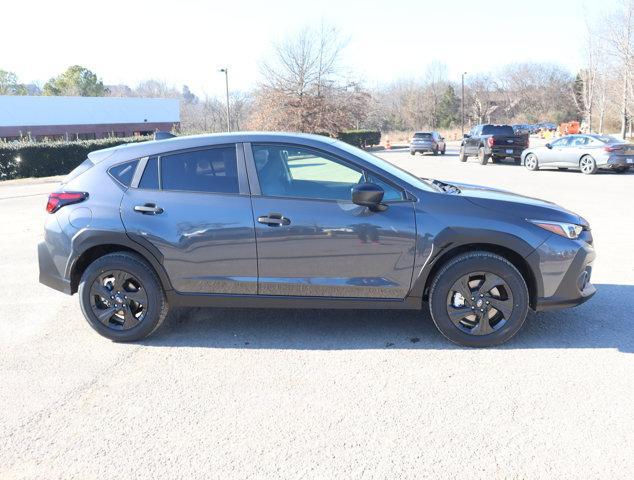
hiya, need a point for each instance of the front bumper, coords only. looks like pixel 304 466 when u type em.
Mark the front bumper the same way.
pixel 565 273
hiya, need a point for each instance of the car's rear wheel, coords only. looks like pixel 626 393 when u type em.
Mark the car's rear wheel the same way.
pixel 434 150
pixel 412 153
pixel 444 150
pixel 122 298
pixel 587 165
pixel 462 156
pixel 482 156
pixel 478 299
pixel 531 162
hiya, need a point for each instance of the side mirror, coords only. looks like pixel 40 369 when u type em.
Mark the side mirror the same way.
pixel 466 135
pixel 442 139
pixel 548 145
pixel 368 195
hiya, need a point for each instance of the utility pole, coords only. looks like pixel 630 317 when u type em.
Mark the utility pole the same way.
pixel 226 72
pixel 462 104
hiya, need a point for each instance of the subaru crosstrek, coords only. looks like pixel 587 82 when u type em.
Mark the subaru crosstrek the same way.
pixel 302 221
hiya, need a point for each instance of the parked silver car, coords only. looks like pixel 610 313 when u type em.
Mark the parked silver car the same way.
pixel 587 153
pixel 427 142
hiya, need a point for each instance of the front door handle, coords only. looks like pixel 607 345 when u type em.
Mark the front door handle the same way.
pixel 148 209
pixel 274 220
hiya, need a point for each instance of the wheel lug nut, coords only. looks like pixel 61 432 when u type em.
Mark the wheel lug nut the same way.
pixel 488 302
pixel 481 295
pixel 482 309
pixel 472 308
pixel 472 298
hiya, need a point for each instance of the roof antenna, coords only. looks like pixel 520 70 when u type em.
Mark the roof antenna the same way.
pixel 158 135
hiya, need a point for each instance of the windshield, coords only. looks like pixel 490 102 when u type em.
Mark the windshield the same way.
pixel 497 130
pixel 386 166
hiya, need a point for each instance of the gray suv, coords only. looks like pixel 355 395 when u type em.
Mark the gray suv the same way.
pixel 302 221
pixel 427 142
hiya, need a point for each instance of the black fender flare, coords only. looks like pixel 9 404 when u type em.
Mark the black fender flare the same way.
pixel 453 241
pixel 87 239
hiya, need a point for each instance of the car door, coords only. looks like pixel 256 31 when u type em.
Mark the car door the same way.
pixel 193 207
pixel 554 155
pixel 577 147
pixel 313 241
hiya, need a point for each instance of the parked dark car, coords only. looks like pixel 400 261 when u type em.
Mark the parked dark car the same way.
pixel 302 221
pixel 493 142
pixel 427 142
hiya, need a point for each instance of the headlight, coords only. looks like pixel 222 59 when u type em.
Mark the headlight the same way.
pixel 568 230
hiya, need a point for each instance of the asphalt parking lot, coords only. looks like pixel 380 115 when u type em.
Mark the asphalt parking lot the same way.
pixel 323 394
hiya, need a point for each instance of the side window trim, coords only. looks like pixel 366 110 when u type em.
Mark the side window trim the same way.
pixel 243 182
pixel 254 181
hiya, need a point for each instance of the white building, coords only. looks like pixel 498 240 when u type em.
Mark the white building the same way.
pixel 73 118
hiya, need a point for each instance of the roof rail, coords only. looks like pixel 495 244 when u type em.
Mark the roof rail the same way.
pixel 158 135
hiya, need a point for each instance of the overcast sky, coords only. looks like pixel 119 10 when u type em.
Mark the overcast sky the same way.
pixel 185 42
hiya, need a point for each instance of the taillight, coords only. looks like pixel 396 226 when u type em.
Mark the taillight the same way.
pixel 490 141
pixel 610 149
pixel 57 200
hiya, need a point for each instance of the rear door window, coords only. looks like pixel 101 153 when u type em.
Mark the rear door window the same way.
pixel 212 170
pixel 150 177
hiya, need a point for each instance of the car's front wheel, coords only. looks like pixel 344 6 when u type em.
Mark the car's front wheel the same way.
pixel 462 156
pixel 531 162
pixel 478 299
pixel 121 297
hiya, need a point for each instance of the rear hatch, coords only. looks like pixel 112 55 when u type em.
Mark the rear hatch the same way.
pixel 422 139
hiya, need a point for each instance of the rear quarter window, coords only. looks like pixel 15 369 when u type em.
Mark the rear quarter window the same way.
pixel 124 172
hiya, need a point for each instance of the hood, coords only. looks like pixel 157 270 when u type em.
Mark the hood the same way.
pixel 515 204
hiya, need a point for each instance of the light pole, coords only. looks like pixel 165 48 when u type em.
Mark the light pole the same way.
pixel 462 104
pixel 226 72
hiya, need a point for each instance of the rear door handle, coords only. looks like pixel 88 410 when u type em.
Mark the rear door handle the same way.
pixel 148 209
pixel 274 220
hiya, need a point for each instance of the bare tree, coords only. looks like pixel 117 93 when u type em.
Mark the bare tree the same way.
pixel 302 88
pixel 619 36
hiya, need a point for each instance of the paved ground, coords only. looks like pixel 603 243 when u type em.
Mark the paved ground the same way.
pixel 254 393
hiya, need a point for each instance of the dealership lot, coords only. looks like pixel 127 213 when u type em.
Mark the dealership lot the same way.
pixel 254 393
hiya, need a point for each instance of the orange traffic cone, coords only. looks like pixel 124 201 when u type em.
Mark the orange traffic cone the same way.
pixel 388 145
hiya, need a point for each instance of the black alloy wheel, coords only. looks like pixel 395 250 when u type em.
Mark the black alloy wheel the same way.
pixel 122 297
pixel 478 299
pixel 479 303
pixel 118 300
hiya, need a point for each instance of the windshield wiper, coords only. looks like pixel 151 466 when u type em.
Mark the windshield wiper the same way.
pixel 445 187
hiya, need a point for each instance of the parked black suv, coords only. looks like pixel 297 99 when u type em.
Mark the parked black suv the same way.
pixel 302 221
pixel 493 142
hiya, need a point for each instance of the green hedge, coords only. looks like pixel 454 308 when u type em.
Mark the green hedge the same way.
pixel 31 159
pixel 360 138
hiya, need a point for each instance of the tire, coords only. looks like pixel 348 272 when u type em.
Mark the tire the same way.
pixel 510 294
pixel 621 169
pixel 444 150
pixel 531 162
pixel 412 153
pixel 517 161
pixel 482 156
pixel 145 297
pixel 435 151
pixel 587 165
pixel 462 156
